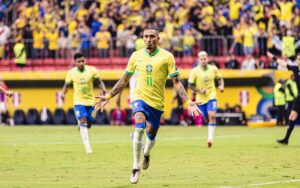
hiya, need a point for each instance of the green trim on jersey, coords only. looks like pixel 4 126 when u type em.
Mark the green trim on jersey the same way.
pixel 129 73
pixel 174 74
pixel 153 54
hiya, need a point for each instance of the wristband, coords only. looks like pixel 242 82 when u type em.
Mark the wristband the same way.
pixel 108 96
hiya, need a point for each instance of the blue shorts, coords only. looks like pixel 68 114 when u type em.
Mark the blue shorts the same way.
pixel 211 105
pixel 153 116
pixel 82 111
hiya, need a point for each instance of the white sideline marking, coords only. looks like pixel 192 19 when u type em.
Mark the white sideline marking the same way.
pixel 261 184
pixel 123 140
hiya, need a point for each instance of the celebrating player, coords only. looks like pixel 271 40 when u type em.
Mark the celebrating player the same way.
pixel 202 82
pixel 152 66
pixel 82 77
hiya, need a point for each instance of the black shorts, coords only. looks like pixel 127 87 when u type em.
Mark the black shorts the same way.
pixel 296 105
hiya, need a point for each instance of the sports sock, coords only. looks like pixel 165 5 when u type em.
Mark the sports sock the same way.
pixel 137 146
pixel 289 130
pixel 211 131
pixel 85 136
pixel 150 142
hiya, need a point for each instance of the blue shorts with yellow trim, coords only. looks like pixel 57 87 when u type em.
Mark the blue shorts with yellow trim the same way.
pixel 211 105
pixel 153 116
pixel 82 111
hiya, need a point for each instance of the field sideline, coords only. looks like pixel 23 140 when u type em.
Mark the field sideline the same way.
pixel 54 156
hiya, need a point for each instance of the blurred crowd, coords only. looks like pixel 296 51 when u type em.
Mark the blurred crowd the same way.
pixel 114 27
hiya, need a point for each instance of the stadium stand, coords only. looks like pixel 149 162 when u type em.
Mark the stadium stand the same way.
pixel 108 31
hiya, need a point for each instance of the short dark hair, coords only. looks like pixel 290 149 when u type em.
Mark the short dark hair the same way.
pixel 78 55
pixel 150 27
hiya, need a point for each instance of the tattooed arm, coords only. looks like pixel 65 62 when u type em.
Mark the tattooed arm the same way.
pixel 179 88
pixel 103 100
pixel 181 91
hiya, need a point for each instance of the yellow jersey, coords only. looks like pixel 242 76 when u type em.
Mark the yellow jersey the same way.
pixel 205 79
pixel 151 75
pixel 83 84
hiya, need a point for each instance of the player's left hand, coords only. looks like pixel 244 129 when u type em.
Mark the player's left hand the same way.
pixel 193 109
pixel 9 93
pixel 221 88
pixel 101 103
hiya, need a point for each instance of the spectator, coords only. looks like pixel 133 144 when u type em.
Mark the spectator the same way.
pixel 103 39
pixel 4 35
pixel 248 63
pixel 38 43
pixel 177 43
pixel 188 42
pixel 63 45
pixel 232 63
pixel 242 120
pixel 20 53
pixel 118 116
pixel 52 37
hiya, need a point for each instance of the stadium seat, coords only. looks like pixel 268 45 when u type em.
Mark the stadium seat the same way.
pixel 19 117
pixel 101 118
pixel 32 117
pixel 46 117
pixel 59 117
pixel 70 117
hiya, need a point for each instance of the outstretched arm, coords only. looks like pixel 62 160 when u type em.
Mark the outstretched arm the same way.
pixel 101 85
pixel 103 100
pixel 181 91
pixel 119 85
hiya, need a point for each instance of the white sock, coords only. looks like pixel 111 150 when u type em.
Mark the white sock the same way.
pixel 148 146
pixel 85 138
pixel 211 131
pixel 137 147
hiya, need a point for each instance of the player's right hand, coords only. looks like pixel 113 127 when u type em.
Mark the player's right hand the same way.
pixel 101 103
pixel 9 93
pixel 193 109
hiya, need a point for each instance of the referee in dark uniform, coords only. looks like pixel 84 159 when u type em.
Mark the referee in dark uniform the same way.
pixel 296 106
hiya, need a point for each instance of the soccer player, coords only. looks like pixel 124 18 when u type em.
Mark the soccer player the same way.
pixel 296 107
pixel 83 77
pixel 152 66
pixel 202 82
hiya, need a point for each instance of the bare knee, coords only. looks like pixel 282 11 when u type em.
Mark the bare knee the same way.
pixel 83 121
pixel 139 117
pixel 212 117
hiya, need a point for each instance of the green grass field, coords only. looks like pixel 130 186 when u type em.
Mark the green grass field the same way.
pixel 241 157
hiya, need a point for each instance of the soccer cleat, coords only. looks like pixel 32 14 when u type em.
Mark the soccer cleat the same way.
pixel 209 144
pixel 146 162
pixel 283 142
pixel 135 176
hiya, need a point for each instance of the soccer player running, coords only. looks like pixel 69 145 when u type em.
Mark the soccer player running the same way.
pixel 83 77
pixel 202 82
pixel 296 106
pixel 152 65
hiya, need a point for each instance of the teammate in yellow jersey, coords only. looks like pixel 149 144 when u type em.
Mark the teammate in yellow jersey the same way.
pixel 202 81
pixel 152 65
pixel 83 77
